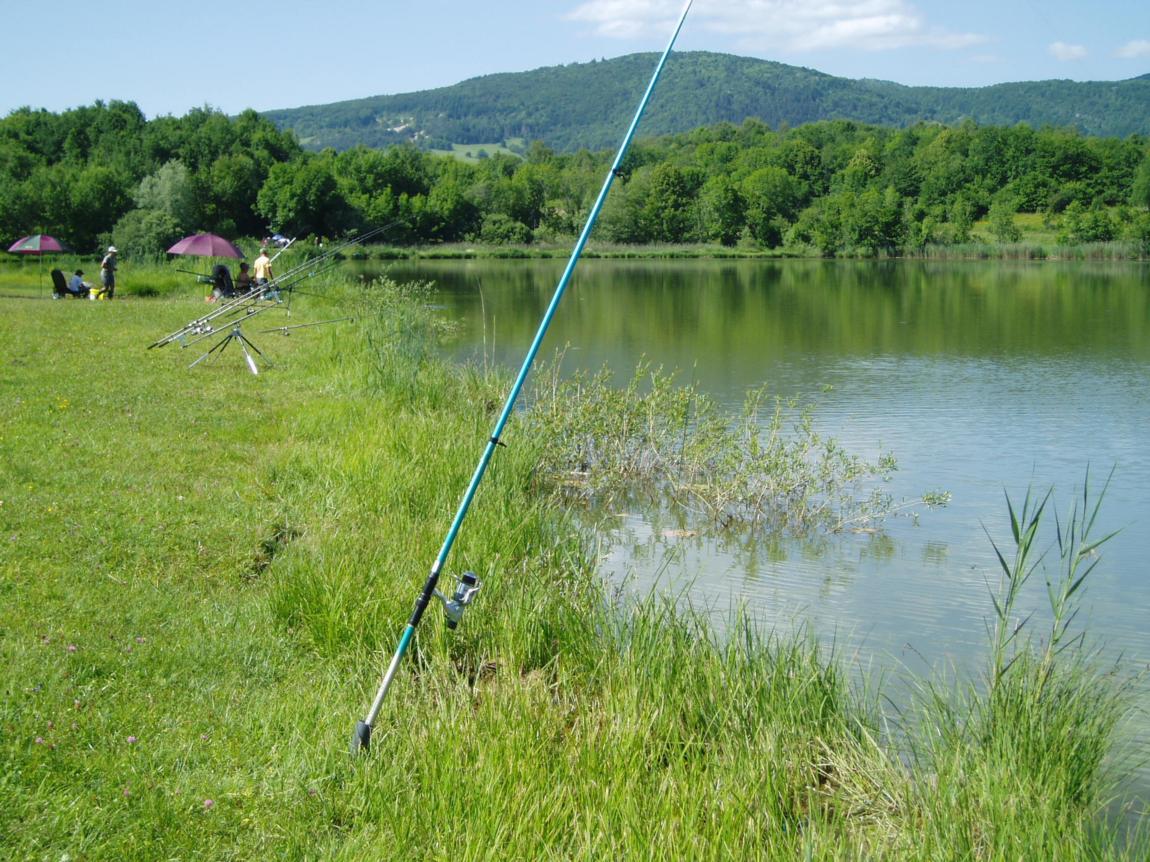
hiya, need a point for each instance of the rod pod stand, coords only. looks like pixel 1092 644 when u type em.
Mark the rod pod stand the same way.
pixel 236 335
pixel 361 738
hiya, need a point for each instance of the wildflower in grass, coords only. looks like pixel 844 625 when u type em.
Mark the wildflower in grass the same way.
pixel 127 792
pixel 39 740
pixel 132 740
pixel 141 640
pixel 209 804
pixel 72 647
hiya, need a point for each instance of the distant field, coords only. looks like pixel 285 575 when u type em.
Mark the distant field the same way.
pixel 477 152
pixel 1032 225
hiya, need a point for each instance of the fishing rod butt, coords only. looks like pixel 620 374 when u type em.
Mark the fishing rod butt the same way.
pixel 361 739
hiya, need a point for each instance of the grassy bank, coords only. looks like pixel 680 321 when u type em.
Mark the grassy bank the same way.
pixel 203 571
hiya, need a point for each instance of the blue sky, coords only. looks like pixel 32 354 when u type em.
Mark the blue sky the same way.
pixel 234 55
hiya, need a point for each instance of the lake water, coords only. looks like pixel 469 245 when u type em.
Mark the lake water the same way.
pixel 981 378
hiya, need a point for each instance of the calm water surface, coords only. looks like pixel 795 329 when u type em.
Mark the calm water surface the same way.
pixel 981 378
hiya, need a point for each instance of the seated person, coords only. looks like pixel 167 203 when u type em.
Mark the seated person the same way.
pixel 77 286
pixel 244 283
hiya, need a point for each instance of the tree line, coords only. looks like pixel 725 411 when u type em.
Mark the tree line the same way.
pixel 104 173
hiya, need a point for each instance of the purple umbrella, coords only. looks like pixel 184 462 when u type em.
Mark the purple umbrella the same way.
pixel 206 245
pixel 38 244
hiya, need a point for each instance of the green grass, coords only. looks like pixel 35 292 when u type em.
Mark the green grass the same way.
pixel 203 572
pixel 471 152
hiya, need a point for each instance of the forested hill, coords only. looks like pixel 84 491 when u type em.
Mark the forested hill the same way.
pixel 589 104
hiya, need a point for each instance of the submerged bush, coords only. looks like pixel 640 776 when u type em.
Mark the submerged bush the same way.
pixel 767 469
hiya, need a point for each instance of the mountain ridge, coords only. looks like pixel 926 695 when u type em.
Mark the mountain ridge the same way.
pixel 586 105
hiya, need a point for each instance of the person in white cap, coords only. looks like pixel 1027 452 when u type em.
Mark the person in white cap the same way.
pixel 108 272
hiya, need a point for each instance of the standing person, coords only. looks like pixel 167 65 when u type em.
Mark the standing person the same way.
pixel 108 272
pixel 262 270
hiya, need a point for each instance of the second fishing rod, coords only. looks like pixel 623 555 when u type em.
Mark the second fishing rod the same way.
pixel 468 585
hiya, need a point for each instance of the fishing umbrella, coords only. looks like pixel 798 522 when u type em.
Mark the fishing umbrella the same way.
pixel 207 245
pixel 38 244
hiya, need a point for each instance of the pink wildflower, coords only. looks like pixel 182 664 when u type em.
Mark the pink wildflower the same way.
pixel 208 804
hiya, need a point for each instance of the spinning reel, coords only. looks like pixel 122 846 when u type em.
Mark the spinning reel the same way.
pixel 463 596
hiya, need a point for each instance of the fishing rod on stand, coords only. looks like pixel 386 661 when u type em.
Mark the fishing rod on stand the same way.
pixel 243 312
pixel 245 302
pixel 228 317
pixel 469 585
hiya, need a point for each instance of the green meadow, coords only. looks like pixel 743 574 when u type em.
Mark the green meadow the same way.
pixel 204 572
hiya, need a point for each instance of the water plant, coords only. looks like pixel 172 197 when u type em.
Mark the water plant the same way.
pixel 1029 743
pixel 769 468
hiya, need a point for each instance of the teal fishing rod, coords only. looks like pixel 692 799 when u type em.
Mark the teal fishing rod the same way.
pixel 469 584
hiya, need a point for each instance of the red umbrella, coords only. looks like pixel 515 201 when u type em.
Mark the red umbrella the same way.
pixel 206 245
pixel 38 244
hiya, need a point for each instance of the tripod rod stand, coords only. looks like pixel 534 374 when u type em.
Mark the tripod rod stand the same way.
pixel 242 340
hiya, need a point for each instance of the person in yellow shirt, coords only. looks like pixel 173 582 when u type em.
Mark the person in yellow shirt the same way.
pixel 262 273
pixel 262 268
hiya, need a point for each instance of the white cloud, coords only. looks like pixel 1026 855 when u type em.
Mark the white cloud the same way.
pixel 1064 51
pixel 1134 50
pixel 780 25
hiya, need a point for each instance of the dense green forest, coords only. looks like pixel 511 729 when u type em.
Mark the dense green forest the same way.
pixel 104 173
pixel 586 105
pixel 80 173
